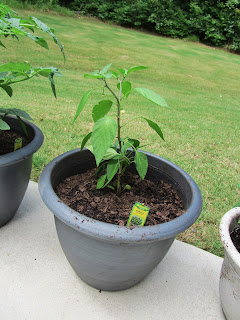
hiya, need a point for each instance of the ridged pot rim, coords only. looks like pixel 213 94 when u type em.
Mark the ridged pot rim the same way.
pixel 27 150
pixel 98 229
pixel 224 230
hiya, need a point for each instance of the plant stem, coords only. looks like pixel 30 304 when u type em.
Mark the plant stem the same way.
pixel 118 111
pixel 119 131
pixel 118 116
pixel 119 180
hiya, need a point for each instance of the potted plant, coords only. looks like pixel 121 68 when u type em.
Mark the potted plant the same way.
pixel 105 255
pixel 229 285
pixel 19 138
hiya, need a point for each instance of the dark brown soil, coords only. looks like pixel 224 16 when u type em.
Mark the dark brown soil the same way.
pixel 7 139
pixel 79 193
pixel 235 236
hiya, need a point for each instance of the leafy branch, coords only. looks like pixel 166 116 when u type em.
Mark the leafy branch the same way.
pixel 11 73
pixel 114 154
pixel 12 25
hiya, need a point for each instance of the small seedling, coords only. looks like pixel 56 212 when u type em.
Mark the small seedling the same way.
pixel 114 153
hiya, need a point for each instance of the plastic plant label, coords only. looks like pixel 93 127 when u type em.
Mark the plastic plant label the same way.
pixel 138 215
pixel 17 144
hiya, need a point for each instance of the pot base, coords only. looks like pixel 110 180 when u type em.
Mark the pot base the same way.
pixel 110 265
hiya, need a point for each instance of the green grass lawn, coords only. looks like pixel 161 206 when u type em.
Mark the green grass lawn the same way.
pixel 200 84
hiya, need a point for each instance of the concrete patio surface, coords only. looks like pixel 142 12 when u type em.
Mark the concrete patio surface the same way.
pixel 37 282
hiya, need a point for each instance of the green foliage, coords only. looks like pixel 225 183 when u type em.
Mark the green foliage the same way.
pixel 213 22
pixel 216 22
pixel 40 6
pixel 112 152
pixel 40 3
pixel 14 112
pixel 10 73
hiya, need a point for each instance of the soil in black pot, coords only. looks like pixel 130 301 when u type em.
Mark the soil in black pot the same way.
pixel 235 236
pixel 79 193
pixel 7 139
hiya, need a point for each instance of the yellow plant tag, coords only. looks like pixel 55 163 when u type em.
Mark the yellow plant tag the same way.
pixel 138 215
pixel 17 144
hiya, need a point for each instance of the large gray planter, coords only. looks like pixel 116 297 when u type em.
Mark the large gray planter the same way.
pixel 15 170
pixel 229 285
pixel 106 256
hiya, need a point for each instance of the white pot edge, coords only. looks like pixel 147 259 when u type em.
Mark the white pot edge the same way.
pixel 225 234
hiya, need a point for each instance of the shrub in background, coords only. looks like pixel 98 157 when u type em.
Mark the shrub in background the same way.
pixel 214 22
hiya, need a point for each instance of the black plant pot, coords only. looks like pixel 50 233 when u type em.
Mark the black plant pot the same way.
pixel 15 170
pixel 111 257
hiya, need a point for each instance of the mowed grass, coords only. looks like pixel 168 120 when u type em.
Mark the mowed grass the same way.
pixel 200 84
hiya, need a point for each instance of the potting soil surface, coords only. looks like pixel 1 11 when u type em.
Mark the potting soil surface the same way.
pixel 7 139
pixel 79 192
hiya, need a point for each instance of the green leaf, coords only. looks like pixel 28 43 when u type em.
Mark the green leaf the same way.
pixel 108 75
pixel 116 144
pixel 13 22
pixel 3 76
pixel 50 31
pixel 111 153
pixel 82 103
pixel 104 131
pixel 101 181
pixel 105 69
pixel 4 125
pixel 122 71
pixel 126 88
pixel 26 24
pixel 112 169
pixel 40 24
pixel 21 67
pixel 111 187
pixel 46 71
pixel 24 128
pixel 100 169
pixel 8 89
pixel 85 140
pixel 141 162
pixel 136 69
pixel 101 109
pixel 2 45
pixel 16 112
pixel 115 74
pixel 52 84
pixel 152 96
pixel 130 143
pixel 59 44
pixel 154 126
pixel 41 41
pixel 92 76
pixel 134 142
pixel 125 146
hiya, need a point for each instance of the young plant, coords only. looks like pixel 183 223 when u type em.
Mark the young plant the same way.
pixel 10 73
pixel 113 153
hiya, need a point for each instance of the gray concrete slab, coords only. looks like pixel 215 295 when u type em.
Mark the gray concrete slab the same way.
pixel 36 281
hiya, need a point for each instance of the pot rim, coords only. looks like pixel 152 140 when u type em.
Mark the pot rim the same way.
pixel 224 230
pixel 112 232
pixel 26 151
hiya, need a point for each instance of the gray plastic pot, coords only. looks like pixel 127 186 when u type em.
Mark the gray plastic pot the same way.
pixel 106 256
pixel 15 170
pixel 229 284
